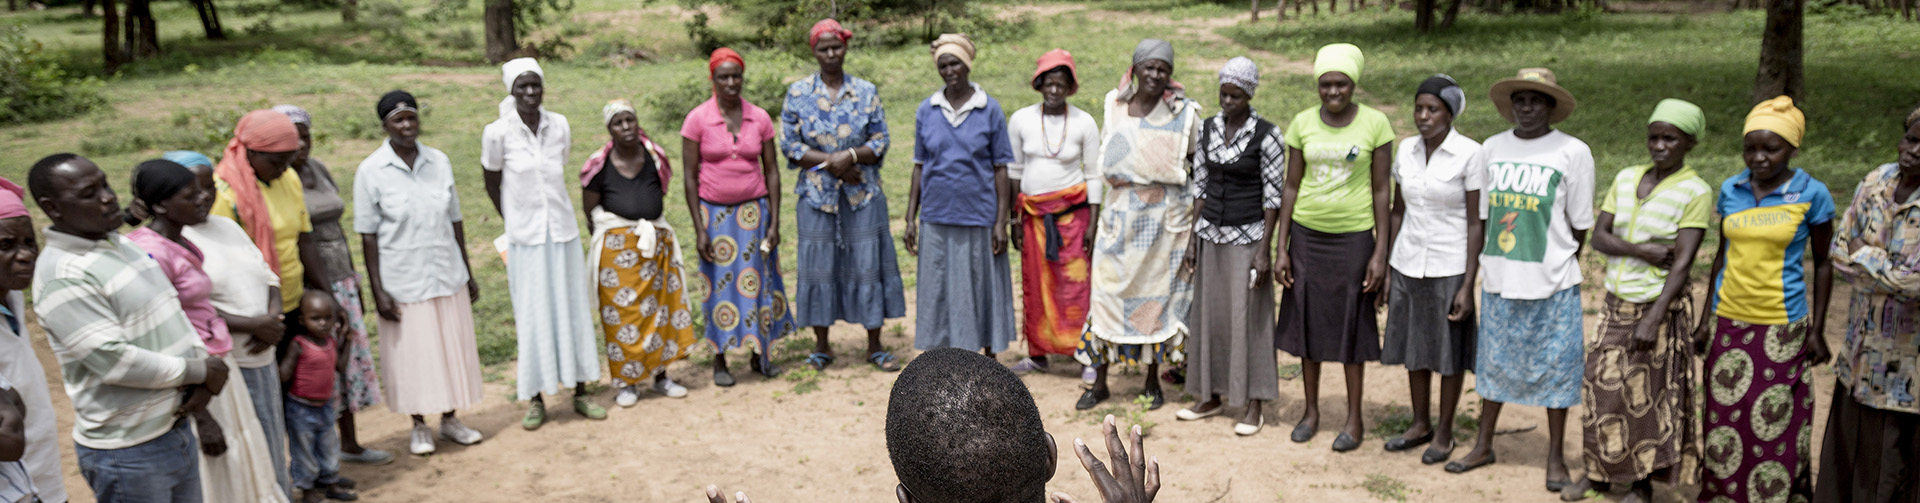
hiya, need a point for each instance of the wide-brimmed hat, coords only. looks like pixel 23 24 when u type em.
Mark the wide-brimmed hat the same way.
pixel 1532 79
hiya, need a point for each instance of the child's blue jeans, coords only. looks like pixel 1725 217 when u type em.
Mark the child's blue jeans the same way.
pixel 313 443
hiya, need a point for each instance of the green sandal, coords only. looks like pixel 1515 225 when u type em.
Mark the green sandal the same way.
pixel 587 408
pixel 536 416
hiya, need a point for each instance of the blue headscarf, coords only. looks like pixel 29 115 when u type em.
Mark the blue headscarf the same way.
pixel 188 158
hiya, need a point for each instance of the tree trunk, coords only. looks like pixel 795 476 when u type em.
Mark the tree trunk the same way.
pixel 86 8
pixel 350 11
pixel 1781 52
pixel 112 54
pixel 209 19
pixel 1256 10
pixel 1423 15
pixel 501 39
pixel 1453 11
pixel 143 38
pixel 1280 14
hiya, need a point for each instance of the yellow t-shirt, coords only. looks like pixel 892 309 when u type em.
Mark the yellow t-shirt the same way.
pixel 287 205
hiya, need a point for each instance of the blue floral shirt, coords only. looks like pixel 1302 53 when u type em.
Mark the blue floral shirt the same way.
pixel 813 119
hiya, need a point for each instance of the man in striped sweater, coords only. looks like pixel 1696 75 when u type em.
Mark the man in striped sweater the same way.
pixel 127 354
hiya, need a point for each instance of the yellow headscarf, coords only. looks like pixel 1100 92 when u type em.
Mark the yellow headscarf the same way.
pixel 1779 116
pixel 1343 58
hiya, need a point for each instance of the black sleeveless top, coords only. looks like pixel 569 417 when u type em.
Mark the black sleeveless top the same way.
pixel 1234 189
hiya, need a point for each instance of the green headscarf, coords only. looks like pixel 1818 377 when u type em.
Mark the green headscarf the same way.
pixel 1343 58
pixel 1681 114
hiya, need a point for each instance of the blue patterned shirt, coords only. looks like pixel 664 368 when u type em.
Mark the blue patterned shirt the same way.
pixel 813 119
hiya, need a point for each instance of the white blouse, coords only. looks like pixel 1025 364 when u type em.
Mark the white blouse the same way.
pixel 1432 241
pixel 1072 140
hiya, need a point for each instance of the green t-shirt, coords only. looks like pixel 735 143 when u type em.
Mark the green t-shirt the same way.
pixel 1336 190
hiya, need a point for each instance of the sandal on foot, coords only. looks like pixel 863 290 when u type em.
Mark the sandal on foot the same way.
pixel 589 409
pixel 1461 467
pixel 1401 443
pixel 819 361
pixel 1091 398
pixel 1344 443
pixel 884 361
pixel 722 378
pixel 536 416
pixel 1435 455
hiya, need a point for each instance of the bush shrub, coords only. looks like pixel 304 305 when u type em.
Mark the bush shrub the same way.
pixel 777 23
pixel 33 87
pixel 765 89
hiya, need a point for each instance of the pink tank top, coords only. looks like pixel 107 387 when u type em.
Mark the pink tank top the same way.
pixel 313 372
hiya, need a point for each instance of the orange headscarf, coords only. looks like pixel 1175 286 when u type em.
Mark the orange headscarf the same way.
pixel 723 55
pixel 260 131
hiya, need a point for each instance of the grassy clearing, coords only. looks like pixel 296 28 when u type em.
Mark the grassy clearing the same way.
pixel 1619 65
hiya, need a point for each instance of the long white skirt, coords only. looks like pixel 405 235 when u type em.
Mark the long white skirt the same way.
pixel 243 474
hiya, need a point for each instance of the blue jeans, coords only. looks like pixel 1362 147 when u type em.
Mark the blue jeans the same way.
pixel 314 443
pixel 163 470
pixel 263 385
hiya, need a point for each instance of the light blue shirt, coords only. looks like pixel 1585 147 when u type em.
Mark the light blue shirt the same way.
pixel 412 210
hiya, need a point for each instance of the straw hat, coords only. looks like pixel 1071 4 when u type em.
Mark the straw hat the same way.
pixel 1532 79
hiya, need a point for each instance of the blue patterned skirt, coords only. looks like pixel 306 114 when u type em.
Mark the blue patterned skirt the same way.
pixel 745 296
pixel 1530 351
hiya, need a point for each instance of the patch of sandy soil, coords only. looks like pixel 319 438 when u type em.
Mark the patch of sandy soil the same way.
pixel 764 437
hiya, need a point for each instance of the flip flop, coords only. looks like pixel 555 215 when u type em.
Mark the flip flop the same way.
pixel 884 361
pixel 819 361
pixel 1458 467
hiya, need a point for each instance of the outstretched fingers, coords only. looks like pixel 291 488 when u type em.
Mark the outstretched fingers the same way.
pixel 1123 471
pixel 1102 480
pixel 1139 457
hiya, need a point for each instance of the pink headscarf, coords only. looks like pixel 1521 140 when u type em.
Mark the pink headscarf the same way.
pixel 262 131
pixel 12 200
pixel 599 159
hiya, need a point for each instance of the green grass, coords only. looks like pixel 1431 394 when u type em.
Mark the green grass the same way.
pixel 1618 65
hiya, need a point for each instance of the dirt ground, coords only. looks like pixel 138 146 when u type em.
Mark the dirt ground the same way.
pixel 781 441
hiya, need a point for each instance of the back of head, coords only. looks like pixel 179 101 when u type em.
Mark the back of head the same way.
pixel 961 428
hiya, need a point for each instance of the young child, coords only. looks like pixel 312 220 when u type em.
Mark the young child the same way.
pixel 309 368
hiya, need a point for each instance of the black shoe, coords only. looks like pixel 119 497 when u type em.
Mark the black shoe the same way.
pixel 1155 398
pixel 1401 443
pixel 1344 443
pixel 1436 456
pixel 1091 398
pixel 722 378
pixel 1462 467
pixel 1302 433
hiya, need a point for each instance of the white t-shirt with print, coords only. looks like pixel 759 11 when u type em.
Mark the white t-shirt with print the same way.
pixel 1538 192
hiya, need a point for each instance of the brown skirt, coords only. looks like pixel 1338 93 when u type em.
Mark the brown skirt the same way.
pixel 1869 455
pixel 1326 317
pixel 1639 420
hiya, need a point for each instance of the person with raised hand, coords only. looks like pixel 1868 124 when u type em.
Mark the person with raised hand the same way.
pixel 1639 418
pixel 733 193
pixel 1765 332
pixel 407 212
pixel 1238 175
pixel 833 130
pixel 128 354
pixel 636 257
pixel 958 208
pixel 1332 231
pixel 1437 235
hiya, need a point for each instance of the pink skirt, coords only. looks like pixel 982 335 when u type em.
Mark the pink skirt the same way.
pixel 429 362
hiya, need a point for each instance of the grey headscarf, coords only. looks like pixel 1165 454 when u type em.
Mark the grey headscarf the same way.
pixel 299 115
pixel 1444 87
pixel 1153 48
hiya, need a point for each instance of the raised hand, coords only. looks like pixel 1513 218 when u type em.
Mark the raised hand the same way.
pixel 1133 478
pixel 715 496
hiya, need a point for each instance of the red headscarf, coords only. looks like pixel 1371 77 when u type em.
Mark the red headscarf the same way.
pixel 827 27
pixel 12 200
pixel 1054 59
pixel 723 55
pixel 260 131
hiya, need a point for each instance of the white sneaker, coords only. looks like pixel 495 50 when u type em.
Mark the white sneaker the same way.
pixel 629 395
pixel 422 442
pixel 666 386
pixel 452 429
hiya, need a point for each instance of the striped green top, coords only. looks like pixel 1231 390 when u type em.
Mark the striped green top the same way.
pixel 125 347
pixel 1681 201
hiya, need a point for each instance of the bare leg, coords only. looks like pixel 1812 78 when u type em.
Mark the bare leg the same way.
pixel 1449 405
pixel 1356 388
pixel 1253 411
pixel 349 440
pixel 1420 383
pixel 873 340
pixel 1556 437
pixel 1153 378
pixel 1483 441
pixel 1310 380
pixel 419 421
pixel 822 345
pixel 1100 379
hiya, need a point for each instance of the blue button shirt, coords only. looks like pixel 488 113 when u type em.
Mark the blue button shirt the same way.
pixel 956 177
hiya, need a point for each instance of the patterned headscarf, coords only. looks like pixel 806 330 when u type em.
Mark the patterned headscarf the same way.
pixel 827 27
pixel 1242 73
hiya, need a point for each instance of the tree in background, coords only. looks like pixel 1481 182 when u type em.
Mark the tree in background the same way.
pixel 506 19
pixel 1781 52
pixel 209 19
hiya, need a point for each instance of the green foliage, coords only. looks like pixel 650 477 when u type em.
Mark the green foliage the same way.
pixel 33 87
pixel 884 23
pixel 668 107
pixel 1385 488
